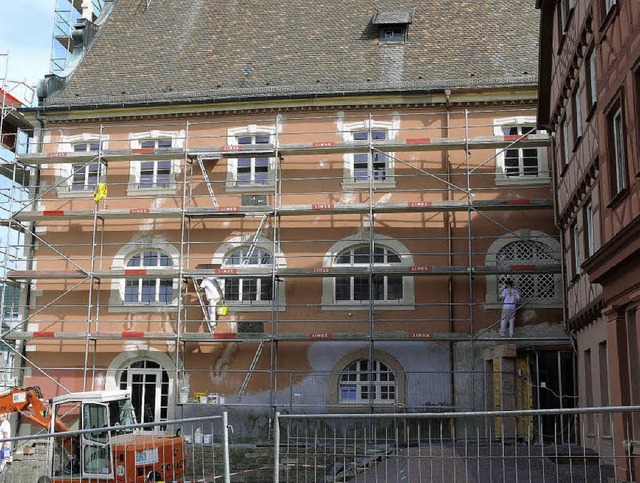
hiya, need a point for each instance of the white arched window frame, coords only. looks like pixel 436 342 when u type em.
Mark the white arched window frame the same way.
pixel 251 173
pixel 393 246
pixel 160 175
pixel 224 256
pixel 383 164
pixel 351 383
pixel 83 183
pixel 117 300
pixel 359 385
pixel 525 247
pixel 517 164
pixel 128 358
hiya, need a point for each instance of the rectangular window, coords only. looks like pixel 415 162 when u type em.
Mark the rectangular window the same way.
pixel 590 66
pixel 575 248
pixel 589 230
pixel 576 106
pixel 565 142
pixel 618 161
pixel 253 170
pixel 636 79
pixel 155 174
pixel 520 161
pixel 393 34
pixel 85 175
pixel 361 160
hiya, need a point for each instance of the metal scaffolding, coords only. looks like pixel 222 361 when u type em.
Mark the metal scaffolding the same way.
pixel 66 14
pixel 449 187
pixel 13 94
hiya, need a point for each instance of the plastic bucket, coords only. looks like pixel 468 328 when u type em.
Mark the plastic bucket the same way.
pixel 222 310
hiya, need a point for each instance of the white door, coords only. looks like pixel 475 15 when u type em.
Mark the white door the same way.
pixel 148 383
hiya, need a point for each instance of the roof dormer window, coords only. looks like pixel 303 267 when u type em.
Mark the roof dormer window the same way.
pixel 392 26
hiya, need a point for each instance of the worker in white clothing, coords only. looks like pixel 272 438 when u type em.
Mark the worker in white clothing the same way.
pixel 5 432
pixel 214 292
pixel 511 297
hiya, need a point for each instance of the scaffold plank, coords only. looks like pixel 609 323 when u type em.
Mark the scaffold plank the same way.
pixel 318 147
pixel 46 274
pixel 249 271
pixel 196 337
pixel 321 208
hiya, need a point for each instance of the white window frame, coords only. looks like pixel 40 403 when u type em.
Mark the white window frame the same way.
pixel 134 352
pixel 491 296
pixel 347 131
pixel 589 229
pixel 566 150
pixel 233 135
pixel 385 278
pixel 329 302
pixel 577 110
pixel 617 126
pixel 63 172
pixel 575 238
pixel 136 140
pixel 159 372
pixel 279 293
pixel 359 384
pixel 543 176
pixel 140 282
pixel 566 7
pixel 593 84
pixel 117 297
pixel 242 300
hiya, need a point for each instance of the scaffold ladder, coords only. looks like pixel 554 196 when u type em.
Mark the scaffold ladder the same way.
pixel 254 363
pixel 203 303
pixel 196 280
pixel 254 240
pixel 207 181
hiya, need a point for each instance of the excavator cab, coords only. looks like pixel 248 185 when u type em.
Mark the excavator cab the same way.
pixel 120 455
pixel 89 455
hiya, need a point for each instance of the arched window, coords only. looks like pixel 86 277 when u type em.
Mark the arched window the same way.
pixel 249 289
pixel 532 286
pixel 354 291
pixel 358 384
pixel 149 290
pixel 525 247
pixel 253 256
pixel 360 287
pixel 148 382
pixel 144 293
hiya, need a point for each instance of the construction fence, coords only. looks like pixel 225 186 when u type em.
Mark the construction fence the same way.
pixel 577 445
pixel 561 445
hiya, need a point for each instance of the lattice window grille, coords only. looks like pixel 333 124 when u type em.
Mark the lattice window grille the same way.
pixel 531 286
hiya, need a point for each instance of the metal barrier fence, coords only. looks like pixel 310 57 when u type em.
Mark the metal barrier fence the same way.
pixel 576 445
pixel 185 450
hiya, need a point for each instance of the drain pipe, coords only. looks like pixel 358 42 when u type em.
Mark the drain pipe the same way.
pixel 451 311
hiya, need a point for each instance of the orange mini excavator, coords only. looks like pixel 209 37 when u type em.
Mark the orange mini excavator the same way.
pixel 122 455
